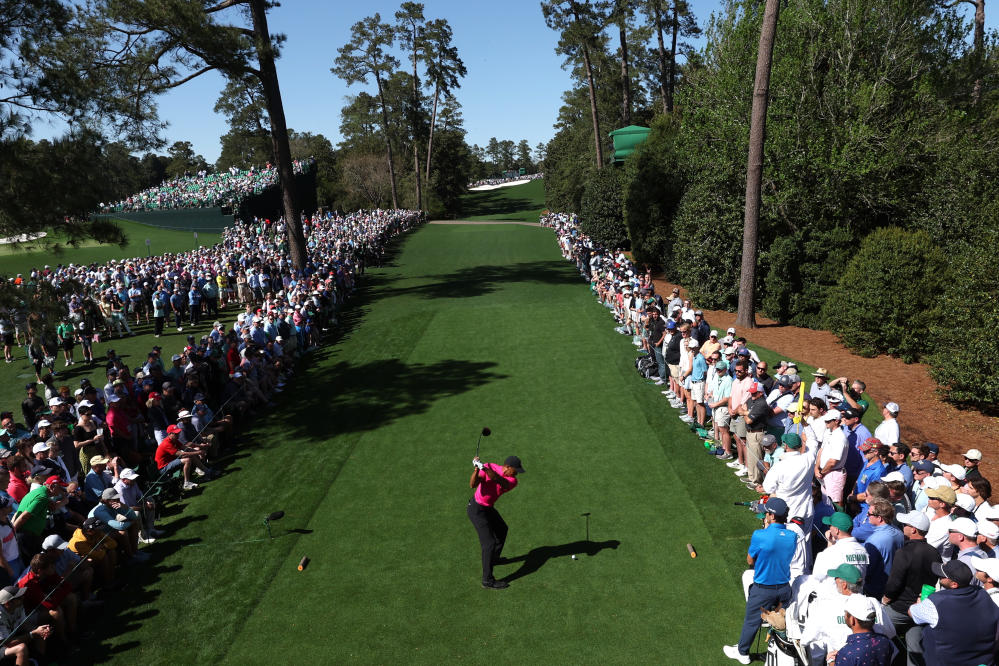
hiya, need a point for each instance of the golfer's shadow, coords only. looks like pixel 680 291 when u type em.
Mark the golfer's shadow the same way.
pixel 537 557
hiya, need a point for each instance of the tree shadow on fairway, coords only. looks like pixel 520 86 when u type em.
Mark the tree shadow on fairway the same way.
pixel 472 281
pixel 351 397
pixel 537 557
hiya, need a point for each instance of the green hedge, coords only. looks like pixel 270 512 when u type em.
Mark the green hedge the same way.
pixel 889 294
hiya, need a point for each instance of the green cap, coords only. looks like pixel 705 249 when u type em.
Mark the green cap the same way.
pixel 847 572
pixel 791 440
pixel 840 521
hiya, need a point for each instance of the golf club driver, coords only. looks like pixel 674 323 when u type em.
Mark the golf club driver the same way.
pixel 277 515
pixel 485 433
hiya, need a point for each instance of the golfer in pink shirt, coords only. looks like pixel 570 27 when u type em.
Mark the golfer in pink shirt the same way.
pixel 490 481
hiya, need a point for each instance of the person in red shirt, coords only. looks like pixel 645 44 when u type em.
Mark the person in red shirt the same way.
pixel 18 485
pixel 489 481
pixel 61 604
pixel 170 455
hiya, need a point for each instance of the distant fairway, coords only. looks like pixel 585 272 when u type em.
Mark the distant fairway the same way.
pixel 369 454
pixel 32 255
pixel 523 203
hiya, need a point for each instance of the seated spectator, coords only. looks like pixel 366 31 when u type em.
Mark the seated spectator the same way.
pixel 864 646
pixel 98 479
pixel 29 639
pixel 93 541
pixel 121 521
pixel 170 456
pixel 45 588
pixel 131 496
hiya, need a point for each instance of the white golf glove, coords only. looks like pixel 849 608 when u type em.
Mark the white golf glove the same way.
pixel 478 464
pixel 120 518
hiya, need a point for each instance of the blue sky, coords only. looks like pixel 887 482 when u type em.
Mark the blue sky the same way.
pixel 512 91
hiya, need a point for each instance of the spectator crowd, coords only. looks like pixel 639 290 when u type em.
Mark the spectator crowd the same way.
pixel 872 548
pixel 509 179
pixel 226 189
pixel 84 470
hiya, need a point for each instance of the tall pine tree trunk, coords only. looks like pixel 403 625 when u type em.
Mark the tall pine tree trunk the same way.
pixel 672 52
pixel 746 315
pixel 433 122
pixel 279 134
pixel 979 45
pixel 625 77
pixel 416 118
pixel 388 140
pixel 593 108
pixel 658 18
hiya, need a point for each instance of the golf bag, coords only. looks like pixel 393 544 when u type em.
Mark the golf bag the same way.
pixel 781 651
pixel 647 367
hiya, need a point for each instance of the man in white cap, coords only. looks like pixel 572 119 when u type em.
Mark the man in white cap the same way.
pixel 887 430
pixel 864 645
pixel 971 460
pixel 131 496
pixel 830 465
pixel 988 537
pixel 987 572
pixel 910 571
pixel 962 535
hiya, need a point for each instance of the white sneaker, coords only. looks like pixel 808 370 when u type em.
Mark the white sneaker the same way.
pixel 686 419
pixel 146 540
pixel 735 464
pixel 190 485
pixel 742 471
pixel 659 382
pixel 732 652
pixel 180 329
pixel 199 472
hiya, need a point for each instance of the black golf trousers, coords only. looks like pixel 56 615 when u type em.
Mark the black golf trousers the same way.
pixel 492 530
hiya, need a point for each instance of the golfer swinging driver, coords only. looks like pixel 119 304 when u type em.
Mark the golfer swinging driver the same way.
pixel 490 481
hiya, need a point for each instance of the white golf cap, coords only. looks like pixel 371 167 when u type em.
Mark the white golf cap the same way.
pixel 713 334
pixel 832 415
pixel 860 607
pixel 731 330
pixel 966 502
pixel 965 526
pixel 44 423
pixel 987 565
pixel 893 476
pixel 40 446
pixel 973 454
pixel 692 343
pixel 992 513
pixel 54 541
pixel 957 471
pixel 129 473
pixel 183 414
pixel 55 401
pixel 989 530
pixel 916 519
pixel 892 407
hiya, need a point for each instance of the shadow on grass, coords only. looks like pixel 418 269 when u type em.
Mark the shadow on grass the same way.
pixel 538 557
pixel 471 281
pixel 350 397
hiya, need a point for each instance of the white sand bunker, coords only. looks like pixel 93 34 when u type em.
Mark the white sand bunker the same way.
pixel 23 238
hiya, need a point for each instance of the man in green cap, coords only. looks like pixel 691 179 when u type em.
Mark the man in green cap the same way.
pixel 790 479
pixel 843 548
pixel 826 629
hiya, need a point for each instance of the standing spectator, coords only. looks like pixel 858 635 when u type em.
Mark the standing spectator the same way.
pixel 770 553
pixel 971 461
pixel 32 406
pixel 830 465
pixel 960 620
pixel 884 540
pixel 909 573
pixel 790 479
pixel 755 412
pixel 820 386
pixel 887 430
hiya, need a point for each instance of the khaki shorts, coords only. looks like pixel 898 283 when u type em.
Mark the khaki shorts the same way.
pixel 674 372
pixel 697 391
pixel 738 427
pixel 720 416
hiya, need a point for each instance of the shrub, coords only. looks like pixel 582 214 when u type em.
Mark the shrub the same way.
pixel 888 294
pixel 601 215
pixel 963 365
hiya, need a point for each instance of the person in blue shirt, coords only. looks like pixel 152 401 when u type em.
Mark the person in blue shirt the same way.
pixel 885 539
pixel 698 374
pixel 177 307
pixel 856 434
pixel 119 517
pixel 770 552
pixel 194 303
pixel 875 463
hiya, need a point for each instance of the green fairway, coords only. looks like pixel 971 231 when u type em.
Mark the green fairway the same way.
pixel 29 255
pixel 522 203
pixel 370 455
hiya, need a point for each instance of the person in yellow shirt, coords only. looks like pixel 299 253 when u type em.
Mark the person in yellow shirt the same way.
pixel 102 554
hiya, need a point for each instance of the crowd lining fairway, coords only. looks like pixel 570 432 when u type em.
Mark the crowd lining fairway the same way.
pixel 369 455
pixel 14 260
